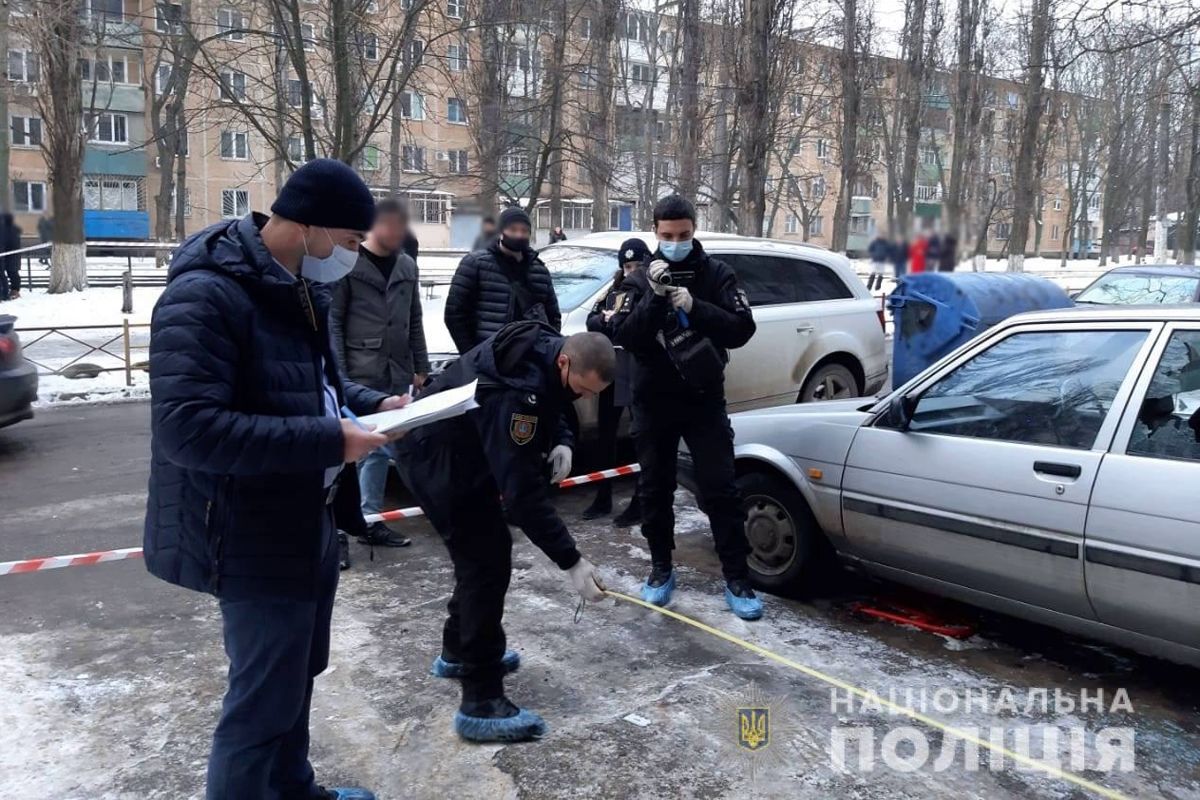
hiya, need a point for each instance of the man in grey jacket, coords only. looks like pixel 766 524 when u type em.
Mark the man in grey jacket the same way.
pixel 379 339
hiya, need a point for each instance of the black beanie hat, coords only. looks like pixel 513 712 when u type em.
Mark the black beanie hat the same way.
pixel 326 193
pixel 511 215
pixel 633 249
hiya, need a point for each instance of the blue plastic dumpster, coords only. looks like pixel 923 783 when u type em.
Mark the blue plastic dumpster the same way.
pixel 935 312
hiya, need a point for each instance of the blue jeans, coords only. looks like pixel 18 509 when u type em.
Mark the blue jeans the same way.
pixel 275 649
pixel 372 479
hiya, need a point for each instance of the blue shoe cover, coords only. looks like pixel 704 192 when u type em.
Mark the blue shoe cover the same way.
pixel 511 661
pixel 744 607
pixel 659 595
pixel 524 726
pixel 344 793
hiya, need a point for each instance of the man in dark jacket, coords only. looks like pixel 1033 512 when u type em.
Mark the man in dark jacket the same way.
pixel 504 283
pixel 379 338
pixel 685 312
pixel 10 282
pixel 246 448
pixel 487 234
pixel 462 470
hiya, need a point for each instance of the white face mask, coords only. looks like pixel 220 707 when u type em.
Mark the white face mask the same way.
pixel 330 269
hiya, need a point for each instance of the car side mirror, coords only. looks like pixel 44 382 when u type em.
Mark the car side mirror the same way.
pixel 900 411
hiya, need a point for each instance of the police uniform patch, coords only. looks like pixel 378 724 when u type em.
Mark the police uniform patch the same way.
pixel 522 428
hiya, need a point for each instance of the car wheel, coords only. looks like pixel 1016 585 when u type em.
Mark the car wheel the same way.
pixel 785 540
pixel 830 382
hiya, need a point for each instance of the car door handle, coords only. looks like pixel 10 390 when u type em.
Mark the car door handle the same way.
pixel 1058 470
pixel 804 329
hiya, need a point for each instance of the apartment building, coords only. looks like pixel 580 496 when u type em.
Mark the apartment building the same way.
pixel 246 123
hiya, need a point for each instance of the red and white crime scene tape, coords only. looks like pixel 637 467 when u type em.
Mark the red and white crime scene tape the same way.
pixel 82 559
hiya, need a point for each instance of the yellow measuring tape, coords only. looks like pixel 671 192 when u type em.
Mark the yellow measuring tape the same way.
pixel 1049 769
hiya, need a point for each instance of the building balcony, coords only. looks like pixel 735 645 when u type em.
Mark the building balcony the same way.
pixel 97 161
pixel 100 224
pixel 116 97
pixel 116 33
pixel 860 206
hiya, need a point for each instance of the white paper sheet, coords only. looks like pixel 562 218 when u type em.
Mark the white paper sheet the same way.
pixel 436 407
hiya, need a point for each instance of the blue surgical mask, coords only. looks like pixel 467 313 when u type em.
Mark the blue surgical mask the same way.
pixel 330 269
pixel 675 251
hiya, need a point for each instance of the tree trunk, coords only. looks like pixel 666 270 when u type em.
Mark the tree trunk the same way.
pixel 5 134
pixel 1024 179
pixel 689 100
pixel 1189 219
pixel 753 99
pixel 912 85
pixel 599 157
pixel 965 113
pixel 1164 179
pixel 851 106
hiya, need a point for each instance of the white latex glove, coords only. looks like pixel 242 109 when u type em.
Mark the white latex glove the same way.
pixel 657 268
pixel 560 463
pixel 586 581
pixel 681 298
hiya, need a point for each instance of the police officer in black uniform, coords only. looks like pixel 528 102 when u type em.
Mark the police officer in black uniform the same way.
pixel 686 312
pixel 460 469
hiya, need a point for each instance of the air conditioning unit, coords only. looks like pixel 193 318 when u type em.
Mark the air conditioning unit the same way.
pixel 442 155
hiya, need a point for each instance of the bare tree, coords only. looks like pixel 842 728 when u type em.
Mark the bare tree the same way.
pixel 1024 177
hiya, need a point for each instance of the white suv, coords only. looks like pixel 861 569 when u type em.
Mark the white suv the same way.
pixel 820 333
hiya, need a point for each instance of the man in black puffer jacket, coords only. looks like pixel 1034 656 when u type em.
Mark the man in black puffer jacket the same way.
pixel 246 448
pixel 502 284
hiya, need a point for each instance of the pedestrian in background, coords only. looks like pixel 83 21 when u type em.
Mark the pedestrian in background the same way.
pixel 247 446
pixel 45 228
pixel 379 339
pixel 502 284
pixel 687 312
pixel 933 252
pixel 612 402
pixel 949 253
pixel 10 239
pixel 878 253
pixel 487 234
pixel 899 253
pixel 916 253
pixel 557 235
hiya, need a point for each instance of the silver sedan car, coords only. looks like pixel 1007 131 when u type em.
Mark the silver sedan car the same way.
pixel 1048 469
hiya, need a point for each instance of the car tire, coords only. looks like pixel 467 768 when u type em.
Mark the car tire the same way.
pixel 788 551
pixel 830 382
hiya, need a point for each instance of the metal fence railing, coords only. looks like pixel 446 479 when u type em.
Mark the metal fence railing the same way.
pixel 54 344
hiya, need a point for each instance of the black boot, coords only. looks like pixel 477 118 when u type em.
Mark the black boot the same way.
pixel 632 515
pixel 343 551
pixel 379 535
pixel 602 505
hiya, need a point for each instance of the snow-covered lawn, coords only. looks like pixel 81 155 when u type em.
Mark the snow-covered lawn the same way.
pixel 102 306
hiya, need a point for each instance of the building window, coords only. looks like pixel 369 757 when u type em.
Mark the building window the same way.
pixel 29 197
pixel 1094 201
pixel 791 224
pixel 1058 204
pixel 369 158
pixel 1054 233
pixel 412 105
pixel 662 170
pixel 187 200
pixel 514 162
pixel 929 156
pixel 587 79
pixel 456 111
pixel 162 78
pixel 817 227
pixel 111 194
pixel 235 203
pixel 168 17
pixel 1001 230
pixel 235 145
pixel 368 46
pixel 455 8
pixel 642 73
pixel 295 96
pixel 26 131
pixel 414 54
pixel 823 149
pixel 456 57
pixel 295 149
pixel 797 106
pixel 585 27
pixel 233 85
pixel 1014 101
pixel 412 158
pixel 862 225
pixel 816 188
pixel 22 66
pixel 105 11
pixel 231 24
pixel 927 193
pixel 110 128
pixel 458 161
pixel 111 69
pixel 635 27
pixel 426 208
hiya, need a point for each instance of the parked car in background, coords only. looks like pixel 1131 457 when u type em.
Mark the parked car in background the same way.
pixel 18 378
pixel 1165 284
pixel 820 333
pixel 1046 469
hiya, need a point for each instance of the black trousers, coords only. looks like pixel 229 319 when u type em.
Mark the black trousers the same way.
pixel 464 507
pixel 275 649
pixel 608 420
pixel 704 426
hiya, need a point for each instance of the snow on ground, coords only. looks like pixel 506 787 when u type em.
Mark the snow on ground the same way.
pixel 102 306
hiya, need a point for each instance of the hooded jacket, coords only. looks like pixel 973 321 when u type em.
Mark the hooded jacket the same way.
pixel 240 442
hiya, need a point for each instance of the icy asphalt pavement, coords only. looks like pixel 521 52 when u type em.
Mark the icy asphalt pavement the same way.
pixel 110 680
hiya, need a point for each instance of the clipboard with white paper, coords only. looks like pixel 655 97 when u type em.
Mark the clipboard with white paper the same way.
pixel 434 408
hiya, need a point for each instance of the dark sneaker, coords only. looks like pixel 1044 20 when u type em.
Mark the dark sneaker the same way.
pixel 497 720
pixel 742 600
pixel 632 515
pixel 658 587
pixel 600 507
pixel 379 535
pixel 343 551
